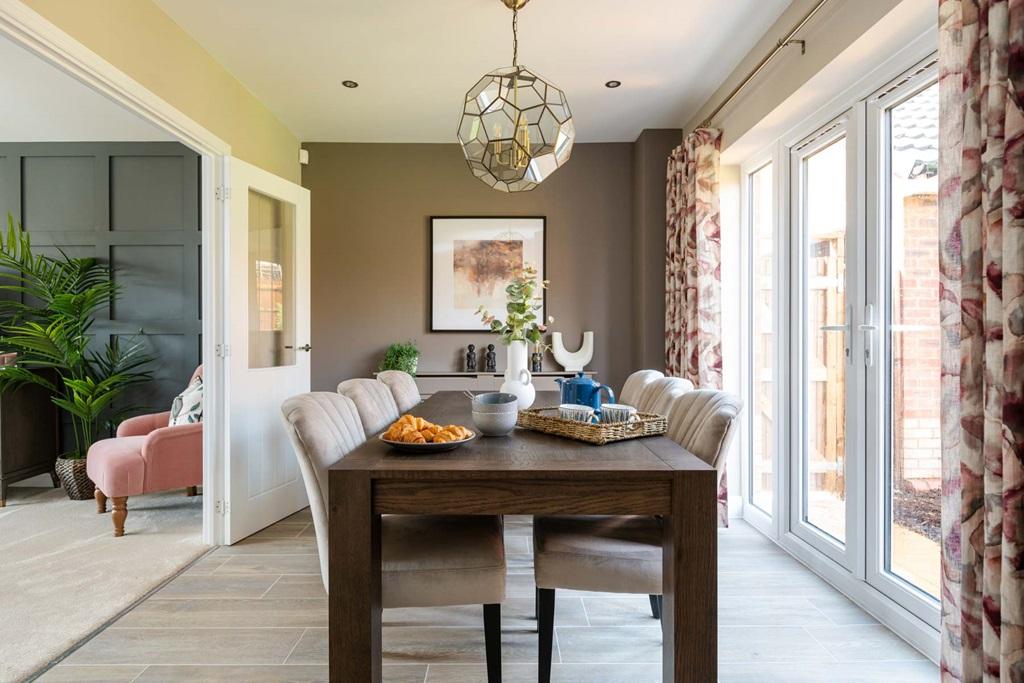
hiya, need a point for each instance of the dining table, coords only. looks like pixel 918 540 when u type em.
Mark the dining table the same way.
pixel 524 473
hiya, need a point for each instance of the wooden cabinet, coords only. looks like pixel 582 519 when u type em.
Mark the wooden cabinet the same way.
pixel 430 383
pixel 28 436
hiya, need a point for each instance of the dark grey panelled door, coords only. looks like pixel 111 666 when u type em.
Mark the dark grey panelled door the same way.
pixel 134 205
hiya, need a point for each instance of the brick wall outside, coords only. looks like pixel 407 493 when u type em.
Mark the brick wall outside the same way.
pixel 916 366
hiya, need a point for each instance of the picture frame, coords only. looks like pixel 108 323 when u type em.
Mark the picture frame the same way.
pixel 468 266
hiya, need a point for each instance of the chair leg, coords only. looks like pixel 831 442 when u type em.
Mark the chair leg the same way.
pixel 101 501
pixel 191 491
pixel 546 629
pixel 656 606
pixel 120 504
pixel 492 640
pixel 54 479
pixel 536 603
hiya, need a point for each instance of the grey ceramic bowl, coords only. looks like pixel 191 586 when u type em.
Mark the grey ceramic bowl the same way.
pixel 495 402
pixel 495 424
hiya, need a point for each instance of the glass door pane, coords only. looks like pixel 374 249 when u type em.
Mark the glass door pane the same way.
pixel 913 471
pixel 826 343
pixel 762 343
pixel 271 281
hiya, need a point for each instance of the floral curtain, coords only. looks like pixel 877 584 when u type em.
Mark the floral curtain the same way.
pixel 693 269
pixel 981 221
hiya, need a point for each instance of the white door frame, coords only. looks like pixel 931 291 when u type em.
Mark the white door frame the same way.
pixel 38 35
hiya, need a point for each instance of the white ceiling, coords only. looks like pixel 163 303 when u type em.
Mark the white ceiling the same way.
pixel 44 104
pixel 415 59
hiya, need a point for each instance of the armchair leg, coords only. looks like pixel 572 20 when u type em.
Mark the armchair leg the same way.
pixel 492 639
pixel 101 501
pixel 546 629
pixel 191 491
pixel 656 603
pixel 120 514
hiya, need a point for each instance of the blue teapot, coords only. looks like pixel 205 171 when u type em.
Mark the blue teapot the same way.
pixel 584 391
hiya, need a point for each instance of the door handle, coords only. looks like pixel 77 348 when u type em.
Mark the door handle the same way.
pixel 833 328
pixel 305 347
pixel 868 327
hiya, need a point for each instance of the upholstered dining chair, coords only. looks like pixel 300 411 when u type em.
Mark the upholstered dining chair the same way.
pixel 147 456
pixel 623 554
pixel 634 386
pixel 403 388
pixel 373 399
pixel 658 395
pixel 426 561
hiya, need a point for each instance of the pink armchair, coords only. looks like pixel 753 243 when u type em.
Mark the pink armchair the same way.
pixel 146 456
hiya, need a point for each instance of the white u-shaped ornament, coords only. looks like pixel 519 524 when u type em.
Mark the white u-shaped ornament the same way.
pixel 573 361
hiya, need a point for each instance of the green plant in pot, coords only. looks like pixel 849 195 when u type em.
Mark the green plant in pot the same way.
pixel 402 356
pixel 46 318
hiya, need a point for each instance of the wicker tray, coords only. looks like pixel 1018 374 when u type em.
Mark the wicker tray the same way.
pixel 547 420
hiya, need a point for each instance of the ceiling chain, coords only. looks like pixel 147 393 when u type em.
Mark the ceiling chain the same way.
pixel 515 36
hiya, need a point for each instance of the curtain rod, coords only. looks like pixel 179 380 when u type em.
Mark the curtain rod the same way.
pixel 779 46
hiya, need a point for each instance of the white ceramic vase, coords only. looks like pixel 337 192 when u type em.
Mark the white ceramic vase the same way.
pixel 518 380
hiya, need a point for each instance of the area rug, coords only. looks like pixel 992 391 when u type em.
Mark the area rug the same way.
pixel 63 574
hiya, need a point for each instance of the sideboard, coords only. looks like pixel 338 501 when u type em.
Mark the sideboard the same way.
pixel 430 383
pixel 28 436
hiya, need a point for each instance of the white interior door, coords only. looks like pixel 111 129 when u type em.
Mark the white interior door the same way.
pixel 268 344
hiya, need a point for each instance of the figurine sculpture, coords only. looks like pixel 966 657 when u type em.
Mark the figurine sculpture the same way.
pixel 471 358
pixel 490 359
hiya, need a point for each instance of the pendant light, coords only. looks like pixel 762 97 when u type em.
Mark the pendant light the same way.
pixel 516 127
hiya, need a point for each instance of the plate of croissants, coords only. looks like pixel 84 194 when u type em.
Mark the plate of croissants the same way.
pixel 417 435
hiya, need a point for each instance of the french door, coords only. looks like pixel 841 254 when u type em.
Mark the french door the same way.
pixel 842 439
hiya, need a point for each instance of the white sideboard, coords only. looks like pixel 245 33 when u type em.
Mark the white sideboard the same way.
pixel 430 383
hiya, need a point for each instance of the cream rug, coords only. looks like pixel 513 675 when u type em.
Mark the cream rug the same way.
pixel 63 574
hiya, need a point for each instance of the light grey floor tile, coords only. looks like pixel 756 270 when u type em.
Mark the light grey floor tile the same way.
pixel 436 645
pixel 840 610
pixel 312 648
pixel 769 644
pixel 829 672
pixel 298 586
pixel 516 615
pixel 769 611
pixel 617 644
pixel 518 545
pixel 234 674
pixel 217 586
pixel 864 643
pixel 271 564
pixel 519 563
pixel 91 674
pixel 303 515
pixel 281 530
pixel 560 673
pixel 188 646
pixel 619 610
pixel 520 586
pixel 221 613
pixel 206 565
pixel 800 584
pixel 270 546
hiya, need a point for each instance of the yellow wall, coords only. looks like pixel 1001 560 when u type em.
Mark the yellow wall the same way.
pixel 143 42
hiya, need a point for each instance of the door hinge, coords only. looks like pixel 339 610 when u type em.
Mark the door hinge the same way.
pixel 222 193
pixel 222 350
pixel 222 507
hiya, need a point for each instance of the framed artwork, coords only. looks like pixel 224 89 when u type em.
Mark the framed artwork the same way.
pixel 472 261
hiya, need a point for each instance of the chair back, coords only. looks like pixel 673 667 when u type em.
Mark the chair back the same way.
pixel 403 388
pixel 705 422
pixel 634 386
pixel 323 427
pixel 658 396
pixel 376 406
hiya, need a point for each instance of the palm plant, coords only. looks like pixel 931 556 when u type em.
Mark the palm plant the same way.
pixel 46 316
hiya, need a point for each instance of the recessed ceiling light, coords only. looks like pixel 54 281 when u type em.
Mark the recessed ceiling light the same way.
pixel 350 84
pixel 613 84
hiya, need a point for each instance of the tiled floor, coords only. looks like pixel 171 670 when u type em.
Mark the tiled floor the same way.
pixel 257 612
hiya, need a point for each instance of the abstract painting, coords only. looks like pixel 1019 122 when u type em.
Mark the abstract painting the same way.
pixel 473 260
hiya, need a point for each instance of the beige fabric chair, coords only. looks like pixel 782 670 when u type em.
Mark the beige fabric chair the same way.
pixel 634 386
pixel 426 561
pixel 658 395
pixel 623 554
pixel 403 388
pixel 376 406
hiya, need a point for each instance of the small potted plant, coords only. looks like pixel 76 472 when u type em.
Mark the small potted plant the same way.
pixel 519 328
pixel 402 356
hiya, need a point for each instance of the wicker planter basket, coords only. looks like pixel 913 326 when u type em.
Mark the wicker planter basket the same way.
pixel 547 420
pixel 77 484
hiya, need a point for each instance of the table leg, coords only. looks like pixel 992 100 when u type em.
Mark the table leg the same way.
pixel 354 593
pixel 689 616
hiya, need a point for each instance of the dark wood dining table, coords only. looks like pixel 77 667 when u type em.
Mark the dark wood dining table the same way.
pixel 525 473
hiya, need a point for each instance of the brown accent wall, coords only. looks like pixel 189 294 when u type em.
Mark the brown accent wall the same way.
pixel 371 205
pixel 650 158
